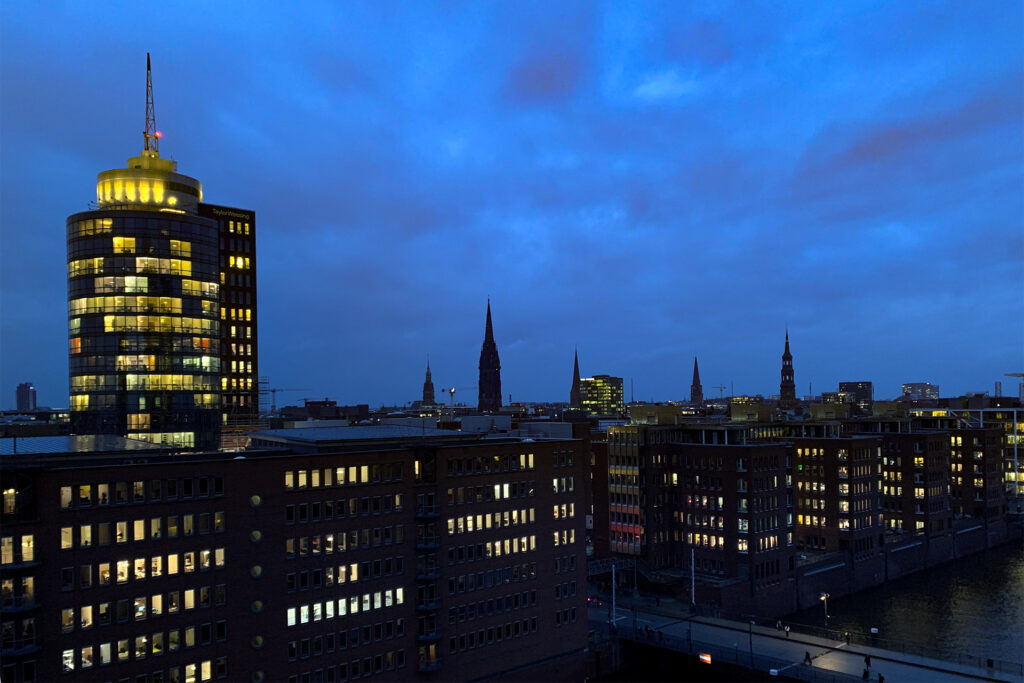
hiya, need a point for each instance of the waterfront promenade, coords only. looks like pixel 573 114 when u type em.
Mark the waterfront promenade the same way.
pixel 666 624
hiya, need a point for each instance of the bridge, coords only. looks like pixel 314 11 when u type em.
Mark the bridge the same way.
pixel 775 653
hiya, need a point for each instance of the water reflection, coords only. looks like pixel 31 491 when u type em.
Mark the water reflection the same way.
pixel 974 606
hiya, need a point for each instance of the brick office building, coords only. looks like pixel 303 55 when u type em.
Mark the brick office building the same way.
pixel 337 554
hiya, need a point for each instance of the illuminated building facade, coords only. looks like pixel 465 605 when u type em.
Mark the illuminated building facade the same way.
pixel 239 342
pixel 161 307
pixel 602 395
pixel 837 494
pixel 362 552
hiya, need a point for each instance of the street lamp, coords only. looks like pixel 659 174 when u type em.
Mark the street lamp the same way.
pixel 750 634
pixel 824 598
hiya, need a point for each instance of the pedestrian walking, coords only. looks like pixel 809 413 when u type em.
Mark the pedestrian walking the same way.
pixel 778 625
pixel 787 630
pixel 847 637
pixel 881 678
pixel 867 661
pixel 807 657
pixel 864 676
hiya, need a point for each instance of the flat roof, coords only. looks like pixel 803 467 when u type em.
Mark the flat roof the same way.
pixel 356 433
pixel 89 443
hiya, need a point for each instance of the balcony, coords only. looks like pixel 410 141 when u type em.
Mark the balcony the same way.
pixel 429 665
pixel 426 512
pixel 427 543
pixel 18 605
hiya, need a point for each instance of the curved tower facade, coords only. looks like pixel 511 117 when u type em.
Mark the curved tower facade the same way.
pixel 144 306
pixel 489 388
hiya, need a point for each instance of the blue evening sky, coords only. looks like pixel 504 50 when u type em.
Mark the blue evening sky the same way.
pixel 646 181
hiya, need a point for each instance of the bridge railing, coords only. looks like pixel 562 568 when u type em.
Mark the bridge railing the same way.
pixel 988 665
pixel 737 655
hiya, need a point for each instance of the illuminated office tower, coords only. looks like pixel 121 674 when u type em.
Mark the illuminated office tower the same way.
pixel 145 304
pixel 602 395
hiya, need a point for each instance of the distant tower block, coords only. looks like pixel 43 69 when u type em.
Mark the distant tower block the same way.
pixel 575 401
pixel 787 387
pixel 25 397
pixel 696 390
pixel 428 388
pixel 489 397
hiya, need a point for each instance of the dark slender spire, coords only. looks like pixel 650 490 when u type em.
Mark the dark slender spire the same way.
pixel 574 393
pixel 428 387
pixel 489 386
pixel 696 390
pixel 787 386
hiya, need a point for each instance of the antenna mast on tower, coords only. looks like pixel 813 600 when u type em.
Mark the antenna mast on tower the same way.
pixel 151 137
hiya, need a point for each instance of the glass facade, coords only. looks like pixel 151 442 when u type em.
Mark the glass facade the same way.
pixel 144 326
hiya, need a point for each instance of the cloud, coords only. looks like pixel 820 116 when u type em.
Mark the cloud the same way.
pixel 545 77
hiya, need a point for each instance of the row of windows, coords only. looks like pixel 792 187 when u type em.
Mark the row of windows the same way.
pixel 565 563
pixel 564 537
pixel 482 464
pixel 141 343
pixel 502 576
pixel 147 382
pixel 142 304
pixel 120 571
pixel 354 604
pixel 346 573
pixel 487 608
pixel 562 484
pixel 141 607
pixel 485 494
pixel 140 492
pixel 190 673
pixel 140 529
pixel 329 642
pixel 496 520
pixel 142 264
pixel 340 476
pixel 564 511
pixel 491 635
pixel 327 544
pixel 311 512
pixel 350 671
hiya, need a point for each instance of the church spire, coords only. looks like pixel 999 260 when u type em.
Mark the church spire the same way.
pixel 489 386
pixel 428 387
pixel 696 390
pixel 574 393
pixel 787 387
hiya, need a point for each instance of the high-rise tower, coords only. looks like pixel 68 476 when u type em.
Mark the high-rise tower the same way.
pixel 575 400
pixel 148 273
pixel 787 388
pixel 696 390
pixel 489 387
pixel 428 388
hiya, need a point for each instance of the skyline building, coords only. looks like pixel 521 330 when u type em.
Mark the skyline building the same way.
pixel 863 393
pixel 428 389
pixel 787 387
pixel 25 397
pixel 489 386
pixel 602 395
pixel 161 307
pixel 696 390
pixel 919 391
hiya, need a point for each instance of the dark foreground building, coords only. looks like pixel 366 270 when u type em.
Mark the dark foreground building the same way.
pixel 322 555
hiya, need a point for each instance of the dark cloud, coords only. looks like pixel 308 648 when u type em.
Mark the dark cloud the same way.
pixel 545 77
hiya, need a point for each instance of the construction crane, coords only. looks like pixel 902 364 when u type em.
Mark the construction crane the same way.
pixel 720 388
pixel 273 397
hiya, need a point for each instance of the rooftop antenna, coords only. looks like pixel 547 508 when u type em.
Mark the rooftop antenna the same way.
pixel 150 136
